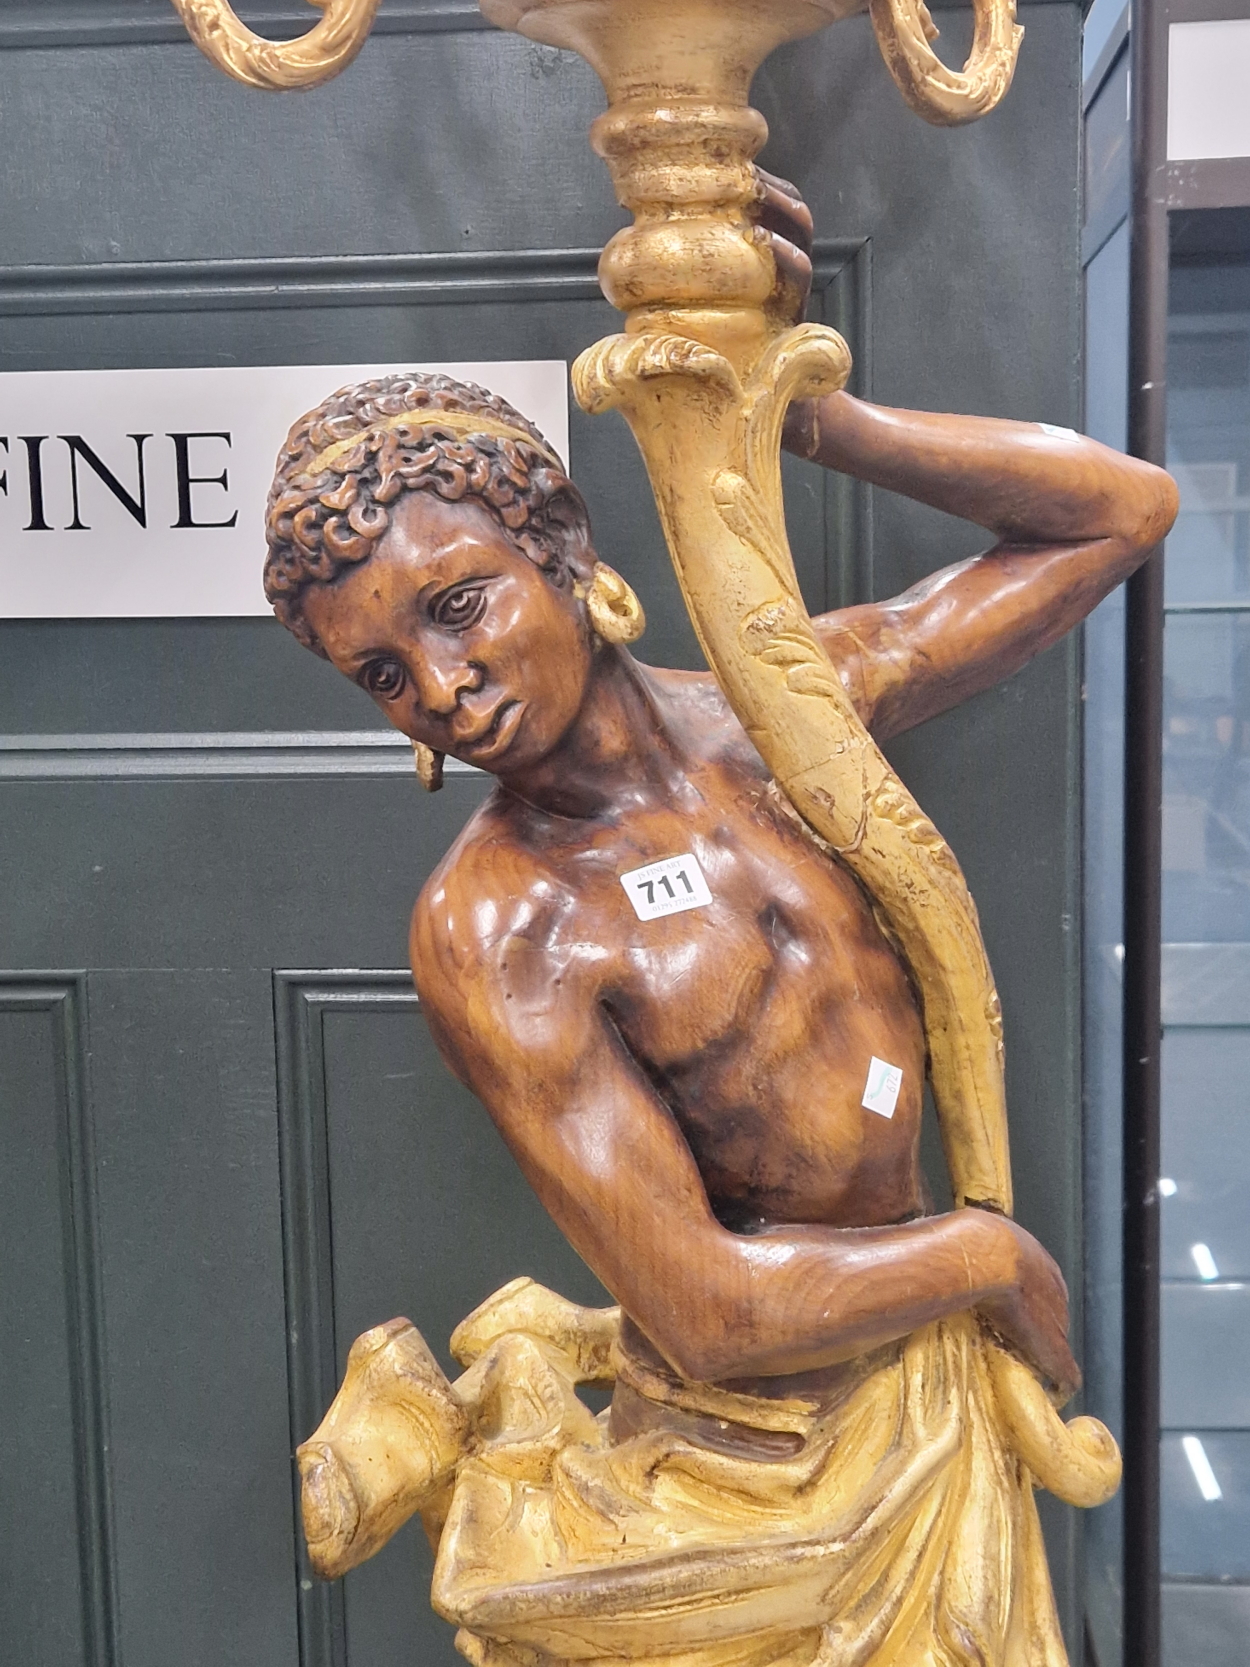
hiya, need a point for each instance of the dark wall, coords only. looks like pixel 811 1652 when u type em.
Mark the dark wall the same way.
pixel 222 1156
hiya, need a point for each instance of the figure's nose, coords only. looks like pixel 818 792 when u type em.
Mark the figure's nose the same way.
pixel 440 683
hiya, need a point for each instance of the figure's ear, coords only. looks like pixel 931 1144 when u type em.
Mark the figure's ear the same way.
pixel 566 527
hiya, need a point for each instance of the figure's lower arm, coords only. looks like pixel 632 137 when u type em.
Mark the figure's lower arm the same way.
pixel 1022 481
pixel 808 1297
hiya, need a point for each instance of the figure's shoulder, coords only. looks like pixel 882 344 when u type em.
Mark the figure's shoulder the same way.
pixel 469 891
pixel 696 706
pixel 695 692
pixel 510 947
pixel 495 887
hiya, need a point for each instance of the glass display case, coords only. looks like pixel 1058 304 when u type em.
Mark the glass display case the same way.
pixel 1205 1182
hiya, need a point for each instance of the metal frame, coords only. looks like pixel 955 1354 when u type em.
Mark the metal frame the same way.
pixel 1143 867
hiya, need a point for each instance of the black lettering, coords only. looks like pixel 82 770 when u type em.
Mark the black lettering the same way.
pixel 34 475
pixel 186 480
pixel 4 475
pixel 78 447
pixel 650 885
pixel 685 880
pixel 666 883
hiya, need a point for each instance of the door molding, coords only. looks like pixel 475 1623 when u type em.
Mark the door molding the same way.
pixel 300 1003
pixel 64 23
pixel 175 755
pixel 62 998
pixel 261 282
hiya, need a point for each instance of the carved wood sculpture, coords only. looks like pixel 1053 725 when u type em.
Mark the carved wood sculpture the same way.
pixel 824 1517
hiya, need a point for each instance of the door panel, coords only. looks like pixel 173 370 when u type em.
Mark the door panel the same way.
pixel 182 1087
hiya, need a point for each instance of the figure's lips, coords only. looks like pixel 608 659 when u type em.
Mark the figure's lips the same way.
pixel 497 735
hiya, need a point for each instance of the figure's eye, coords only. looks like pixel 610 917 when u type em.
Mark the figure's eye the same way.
pixel 458 608
pixel 383 678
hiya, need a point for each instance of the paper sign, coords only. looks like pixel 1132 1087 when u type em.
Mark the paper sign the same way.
pixel 667 887
pixel 881 1091
pixel 141 493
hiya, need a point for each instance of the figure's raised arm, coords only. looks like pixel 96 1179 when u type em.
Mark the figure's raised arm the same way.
pixel 1072 517
pixel 521 1018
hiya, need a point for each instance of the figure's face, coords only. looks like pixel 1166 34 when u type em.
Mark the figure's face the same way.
pixel 457 636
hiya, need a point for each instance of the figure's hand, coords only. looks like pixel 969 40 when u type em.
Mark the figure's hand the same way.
pixel 1032 1317
pixel 780 212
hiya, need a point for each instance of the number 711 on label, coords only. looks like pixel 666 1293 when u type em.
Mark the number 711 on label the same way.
pixel 666 887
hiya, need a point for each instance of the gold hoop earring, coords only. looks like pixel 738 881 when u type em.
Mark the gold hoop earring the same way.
pixel 429 766
pixel 616 614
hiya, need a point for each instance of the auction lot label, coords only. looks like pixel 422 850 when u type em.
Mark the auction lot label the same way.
pixel 141 493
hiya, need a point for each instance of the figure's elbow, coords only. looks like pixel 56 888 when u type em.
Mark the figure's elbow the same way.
pixel 1148 510
pixel 706 1335
pixel 704 1358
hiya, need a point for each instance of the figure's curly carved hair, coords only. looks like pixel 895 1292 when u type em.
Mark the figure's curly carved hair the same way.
pixel 326 512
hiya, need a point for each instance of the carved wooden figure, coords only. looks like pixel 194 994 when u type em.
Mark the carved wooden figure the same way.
pixel 814 1450
pixel 700 949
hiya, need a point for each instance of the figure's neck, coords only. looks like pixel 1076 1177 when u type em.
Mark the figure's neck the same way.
pixel 617 755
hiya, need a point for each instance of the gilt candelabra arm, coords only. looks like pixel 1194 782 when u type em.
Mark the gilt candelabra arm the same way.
pixel 279 66
pixel 904 29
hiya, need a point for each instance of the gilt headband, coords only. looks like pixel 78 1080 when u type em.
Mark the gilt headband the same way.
pixel 459 422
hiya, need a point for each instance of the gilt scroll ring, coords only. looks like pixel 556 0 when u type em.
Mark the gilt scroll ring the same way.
pixel 943 96
pixel 279 66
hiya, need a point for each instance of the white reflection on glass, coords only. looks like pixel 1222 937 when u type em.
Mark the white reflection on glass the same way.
pixel 1200 1464
pixel 1204 1261
pixel 1167 1187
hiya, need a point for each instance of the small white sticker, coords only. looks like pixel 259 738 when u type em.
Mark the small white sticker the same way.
pixel 667 887
pixel 882 1088
pixel 1059 433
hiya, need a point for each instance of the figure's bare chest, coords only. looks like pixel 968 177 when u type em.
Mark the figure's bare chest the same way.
pixel 757 1011
pixel 755 922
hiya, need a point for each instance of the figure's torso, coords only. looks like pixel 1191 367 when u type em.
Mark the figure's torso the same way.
pixel 754 1017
